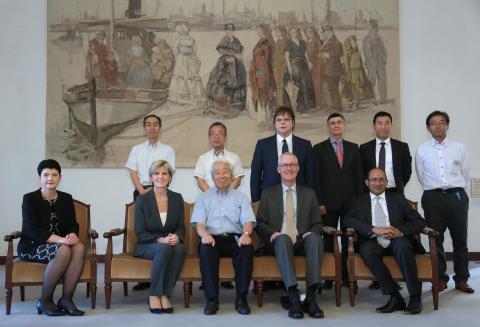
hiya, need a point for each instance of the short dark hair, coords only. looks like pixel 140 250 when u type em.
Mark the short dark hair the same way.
pixel 48 164
pixel 217 123
pixel 335 115
pixel 438 113
pixel 149 116
pixel 382 114
pixel 284 110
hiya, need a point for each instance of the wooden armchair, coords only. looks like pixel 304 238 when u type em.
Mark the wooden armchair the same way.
pixel 24 273
pixel 427 265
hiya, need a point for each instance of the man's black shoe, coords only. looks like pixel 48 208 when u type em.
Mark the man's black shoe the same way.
pixel 285 302
pixel 141 286
pixel 414 306
pixel 241 306
pixel 374 285
pixel 211 307
pixel 327 285
pixel 312 308
pixel 395 303
pixel 295 310
pixel 227 285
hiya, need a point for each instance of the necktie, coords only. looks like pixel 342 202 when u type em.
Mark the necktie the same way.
pixel 284 146
pixel 381 156
pixel 380 221
pixel 339 150
pixel 290 217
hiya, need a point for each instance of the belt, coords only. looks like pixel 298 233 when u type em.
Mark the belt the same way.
pixel 447 190
pixel 227 235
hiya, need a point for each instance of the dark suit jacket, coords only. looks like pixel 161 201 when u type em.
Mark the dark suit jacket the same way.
pixel 401 159
pixel 270 212
pixel 336 187
pixel 148 225
pixel 265 160
pixel 400 214
pixel 36 219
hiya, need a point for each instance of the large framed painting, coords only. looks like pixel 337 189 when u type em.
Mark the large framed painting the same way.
pixel 110 63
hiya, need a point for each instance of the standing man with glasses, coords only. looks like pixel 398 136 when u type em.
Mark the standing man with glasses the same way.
pixel 268 150
pixel 339 179
pixel 141 158
pixel 443 169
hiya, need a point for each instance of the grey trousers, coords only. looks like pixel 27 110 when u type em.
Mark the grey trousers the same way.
pixel 166 266
pixel 311 248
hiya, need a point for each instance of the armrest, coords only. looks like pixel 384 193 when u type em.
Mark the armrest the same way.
pixel 331 231
pixel 430 232
pixel 350 232
pixel 93 233
pixel 114 232
pixel 12 236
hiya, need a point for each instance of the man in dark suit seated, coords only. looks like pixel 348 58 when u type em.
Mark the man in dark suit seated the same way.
pixel 386 224
pixel 289 223
pixel 268 150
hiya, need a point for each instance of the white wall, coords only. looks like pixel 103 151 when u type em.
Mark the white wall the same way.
pixel 440 69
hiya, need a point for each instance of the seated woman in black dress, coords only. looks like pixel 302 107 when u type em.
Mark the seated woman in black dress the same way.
pixel 160 231
pixel 50 235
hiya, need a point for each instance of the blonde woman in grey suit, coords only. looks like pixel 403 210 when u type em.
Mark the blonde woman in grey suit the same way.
pixel 159 225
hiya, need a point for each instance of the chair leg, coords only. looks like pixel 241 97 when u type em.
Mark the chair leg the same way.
pixel 125 288
pixel 93 299
pixel 259 287
pixel 187 290
pixel 88 290
pixel 351 293
pixel 8 305
pixel 435 296
pixel 108 294
pixel 338 293
pixel 22 293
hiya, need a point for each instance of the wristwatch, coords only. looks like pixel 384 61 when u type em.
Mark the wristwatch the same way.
pixel 246 233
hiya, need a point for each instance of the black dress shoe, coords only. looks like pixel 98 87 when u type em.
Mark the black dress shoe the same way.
pixel 141 286
pixel 312 308
pixel 227 285
pixel 395 303
pixel 241 306
pixel 211 307
pixel 49 312
pixel 414 306
pixel 69 311
pixel 327 285
pixel 374 285
pixel 295 310
pixel 285 302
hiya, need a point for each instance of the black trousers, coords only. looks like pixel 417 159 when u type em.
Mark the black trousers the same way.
pixel 331 219
pixel 402 250
pixel 449 210
pixel 242 257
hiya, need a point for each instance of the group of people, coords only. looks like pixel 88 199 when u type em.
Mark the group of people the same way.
pixel 300 188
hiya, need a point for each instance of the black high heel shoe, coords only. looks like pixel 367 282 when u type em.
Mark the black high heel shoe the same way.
pixel 155 310
pixel 168 310
pixel 41 309
pixel 69 311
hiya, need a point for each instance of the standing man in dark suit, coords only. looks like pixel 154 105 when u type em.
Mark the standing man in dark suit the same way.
pixel 339 179
pixel 391 155
pixel 289 223
pixel 386 225
pixel 268 150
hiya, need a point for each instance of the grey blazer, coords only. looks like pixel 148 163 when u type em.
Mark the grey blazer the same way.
pixel 270 212
pixel 148 225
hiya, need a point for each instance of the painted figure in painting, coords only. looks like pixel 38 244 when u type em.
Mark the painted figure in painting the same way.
pixel 186 83
pixel 138 75
pixel 162 64
pixel 355 86
pixel 301 95
pixel 260 73
pixel 375 60
pixel 331 51
pixel 111 69
pixel 314 43
pixel 226 87
pixel 279 62
pixel 96 56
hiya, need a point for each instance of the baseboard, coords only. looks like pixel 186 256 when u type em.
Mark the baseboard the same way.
pixel 473 256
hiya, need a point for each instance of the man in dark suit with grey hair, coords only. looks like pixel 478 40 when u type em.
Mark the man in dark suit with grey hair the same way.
pixel 289 223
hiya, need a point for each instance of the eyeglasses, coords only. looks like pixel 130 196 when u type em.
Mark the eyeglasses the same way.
pixel 377 180
pixel 289 165
pixel 437 123
pixel 217 134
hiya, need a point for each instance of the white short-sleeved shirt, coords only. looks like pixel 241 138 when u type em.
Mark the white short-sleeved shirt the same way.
pixel 203 168
pixel 142 155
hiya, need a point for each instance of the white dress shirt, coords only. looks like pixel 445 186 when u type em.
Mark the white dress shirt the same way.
pixel 280 143
pixel 142 155
pixel 203 168
pixel 388 161
pixel 383 204
pixel 442 165
pixel 284 196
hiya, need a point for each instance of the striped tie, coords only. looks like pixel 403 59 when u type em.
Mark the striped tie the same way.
pixel 290 217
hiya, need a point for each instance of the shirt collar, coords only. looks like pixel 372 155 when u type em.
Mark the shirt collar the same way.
pixel 154 145
pixel 444 142
pixel 293 188
pixel 373 196
pixel 334 140
pixel 288 138
pixel 220 193
pixel 218 155
pixel 387 141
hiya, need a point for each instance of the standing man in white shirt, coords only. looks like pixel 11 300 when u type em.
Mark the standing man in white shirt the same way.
pixel 217 137
pixel 140 159
pixel 443 169
pixel 142 155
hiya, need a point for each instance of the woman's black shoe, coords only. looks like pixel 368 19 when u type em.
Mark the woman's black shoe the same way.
pixel 69 311
pixel 41 309
pixel 155 310
pixel 168 310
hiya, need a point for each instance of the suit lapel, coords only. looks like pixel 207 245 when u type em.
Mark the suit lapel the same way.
pixel 280 209
pixel 155 212
pixel 300 204
pixel 332 152
pixel 347 153
pixel 170 212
